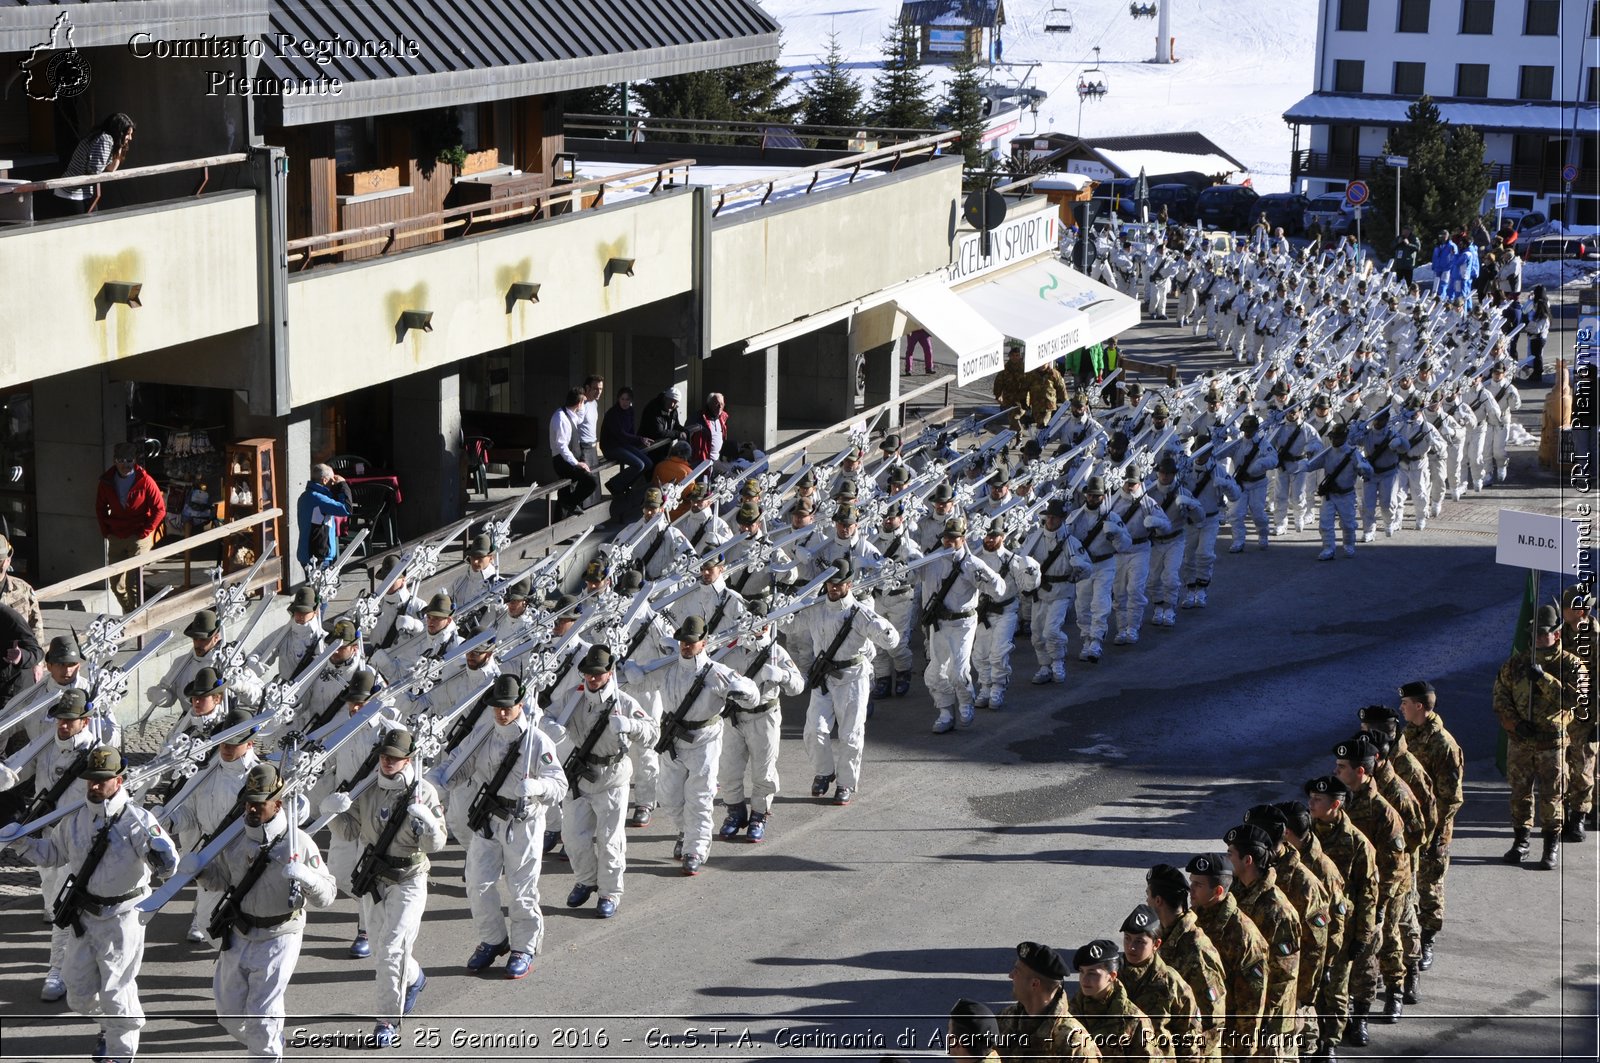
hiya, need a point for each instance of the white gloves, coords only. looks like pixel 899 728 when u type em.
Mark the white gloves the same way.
pixel 423 821
pixel 622 725
pixel 295 871
pixel 336 803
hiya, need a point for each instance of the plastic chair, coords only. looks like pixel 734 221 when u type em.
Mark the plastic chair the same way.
pixel 374 511
pixel 345 464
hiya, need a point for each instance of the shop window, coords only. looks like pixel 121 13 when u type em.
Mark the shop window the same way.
pixel 1353 16
pixel 1477 17
pixel 1348 75
pixel 1408 78
pixel 1535 82
pixel 1413 16
pixel 1541 18
pixel 1472 80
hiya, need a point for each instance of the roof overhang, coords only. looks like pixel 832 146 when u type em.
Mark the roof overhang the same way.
pixel 1486 116
pixel 98 25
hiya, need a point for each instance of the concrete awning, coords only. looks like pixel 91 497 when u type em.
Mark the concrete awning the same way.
pixel 1051 309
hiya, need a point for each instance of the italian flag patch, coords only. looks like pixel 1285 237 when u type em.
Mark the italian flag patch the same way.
pixel 548 758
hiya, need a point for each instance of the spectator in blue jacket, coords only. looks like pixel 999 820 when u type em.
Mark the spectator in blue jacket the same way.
pixel 621 442
pixel 326 497
pixel 1443 254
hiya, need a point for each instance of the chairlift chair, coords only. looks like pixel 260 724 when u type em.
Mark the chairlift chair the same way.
pixel 1138 10
pixel 1058 19
pixel 1092 82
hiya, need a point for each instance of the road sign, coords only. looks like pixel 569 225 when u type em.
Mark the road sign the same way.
pixel 1502 195
pixel 1396 162
pixel 1537 540
pixel 1356 193
pixel 1569 173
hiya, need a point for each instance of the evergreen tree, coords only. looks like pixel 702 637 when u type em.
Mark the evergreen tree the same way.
pixel 1440 189
pixel 832 97
pixel 900 91
pixel 756 92
pixel 964 104
pixel 598 99
pixel 702 94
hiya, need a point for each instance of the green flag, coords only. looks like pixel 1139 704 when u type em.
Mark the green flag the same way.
pixel 1521 639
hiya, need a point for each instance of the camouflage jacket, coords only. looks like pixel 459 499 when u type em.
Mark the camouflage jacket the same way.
pixel 18 594
pixel 1279 924
pixel 1357 860
pixel 1120 1030
pixel 1328 875
pixel 1189 952
pixel 1547 701
pixel 1376 818
pixel 1047 389
pixel 1011 387
pixel 1244 956
pixel 1305 891
pixel 1415 776
pixel 1440 755
pixel 1404 802
pixel 1052 1035
pixel 1168 1002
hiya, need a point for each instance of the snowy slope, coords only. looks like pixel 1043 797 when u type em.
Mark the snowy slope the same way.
pixel 1242 63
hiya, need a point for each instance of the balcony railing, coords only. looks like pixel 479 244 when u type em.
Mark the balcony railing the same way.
pixel 485 217
pixel 889 157
pixel 767 136
pixel 132 173
pixel 1539 180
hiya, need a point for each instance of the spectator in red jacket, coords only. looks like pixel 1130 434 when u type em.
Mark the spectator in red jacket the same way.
pixel 711 429
pixel 130 507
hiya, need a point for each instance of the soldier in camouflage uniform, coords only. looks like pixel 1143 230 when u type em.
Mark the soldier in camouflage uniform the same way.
pixel 1158 990
pixel 18 594
pixel 1047 389
pixel 1241 946
pixel 1401 775
pixel 1011 388
pixel 1356 765
pixel 1537 695
pixel 1310 900
pixel 1039 1025
pixel 1301 841
pixel 1436 750
pixel 1188 951
pixel 1255 889
pixel 1580 634
pixel 1346 999
pixel 1119 1028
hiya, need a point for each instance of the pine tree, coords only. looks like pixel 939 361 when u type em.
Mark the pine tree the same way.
pixel 964 103
pixel 699 95
pixel 900 91
pixel 597 99
pixel 1440 188
pixel 756 92
pixel 832 97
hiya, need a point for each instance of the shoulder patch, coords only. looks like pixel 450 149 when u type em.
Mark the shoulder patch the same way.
pixel 548 758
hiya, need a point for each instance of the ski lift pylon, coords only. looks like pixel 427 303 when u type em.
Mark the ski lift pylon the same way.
pixel 1058 19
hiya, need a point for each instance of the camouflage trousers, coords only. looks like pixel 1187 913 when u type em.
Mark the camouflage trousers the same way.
pixel 1528 768
pixel 1410 914
pixel 1431 870
pixel 1348 979
pixel 1580 772
pixel 1392 943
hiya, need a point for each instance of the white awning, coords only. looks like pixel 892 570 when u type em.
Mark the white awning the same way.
pixel 1051 309
pixel 975 344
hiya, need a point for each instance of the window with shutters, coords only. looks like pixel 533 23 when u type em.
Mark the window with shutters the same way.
pixel 1413 16
pixel 1535 82
pixel 1472 80
pixel 1541 18
pixel 1408 78
pixel 1349 75
pixel 1477 16
pixel 1353 16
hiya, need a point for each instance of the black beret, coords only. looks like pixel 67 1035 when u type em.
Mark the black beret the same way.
pixel 1269 818
pixel 1357 749
pixel 1167 882
pixel 974 1024
pixel 1331 785
pixel 1215 867
pixel 1143 920
pixel 1375 714
pixel 1249 840
pixel 1296 816
pixel 1042 960
pixel 1097 952
pixel 1417 688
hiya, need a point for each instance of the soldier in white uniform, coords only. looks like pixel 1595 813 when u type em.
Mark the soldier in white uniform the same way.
pixel 477 578
pixel 1495 423
pixel 205 635
pixel 601 722
pixel 712 598
pixel 515 777
pixel 69 752
pixel 1444 463
pixel 1062 562
pixel 1294 441
pixel 344 773
pixel 1143 519
pixel 437 637
pixel 513 618
pixel 749 583
pixel 847 541
pixel 750 738
pixel 274 871
pixel 950 588
pixel 1100 530
pixel 656 545
pixel 1339 464
pixel 293 648
pixel 399 615
pixel 320 702
pixel 930 529
pixel 694 691
pixel 1252 459
pixel 649 636
pixel 701 525
pixel 898 606
pixel 843 633
pixel 63 672
pixel 207 694
pixel 1167 547
pixel 1380 491
pixel 1417 442
pixel 996 634
pixel 112 846
pixel 205 801
pixel 401 872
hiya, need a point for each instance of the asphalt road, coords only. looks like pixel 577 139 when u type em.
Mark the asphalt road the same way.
pixel 863 924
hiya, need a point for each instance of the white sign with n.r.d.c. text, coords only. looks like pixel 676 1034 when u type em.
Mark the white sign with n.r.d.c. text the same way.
pixel 1538 541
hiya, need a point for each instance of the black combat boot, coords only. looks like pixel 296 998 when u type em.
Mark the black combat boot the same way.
pixel 1393 1004
pixel 1552 850
pixel 1427 950
pixel 1355 1031
pixel 1574 833
pixel 1519 847
pixel 1413 977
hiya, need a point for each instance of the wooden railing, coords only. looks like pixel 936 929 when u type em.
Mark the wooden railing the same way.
pixel 189 598
pixel 765 135
pixel 132 173
pixel 578 195
pixel 892 156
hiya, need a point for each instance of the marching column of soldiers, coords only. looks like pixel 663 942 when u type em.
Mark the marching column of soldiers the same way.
pixel 526 723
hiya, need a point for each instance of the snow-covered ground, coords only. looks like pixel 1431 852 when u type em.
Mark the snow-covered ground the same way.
pixel 1241 64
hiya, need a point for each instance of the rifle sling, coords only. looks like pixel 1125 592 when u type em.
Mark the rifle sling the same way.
pixel 80 879
pixel 580 756
pixel 669 731
pixel 228 908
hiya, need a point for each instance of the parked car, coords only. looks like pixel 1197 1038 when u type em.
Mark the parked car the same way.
pixel 1557 247
pixel 1286 210
pixel 1524 225
pixel 1332 213
pixel 1181 201
pixel 1231 207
